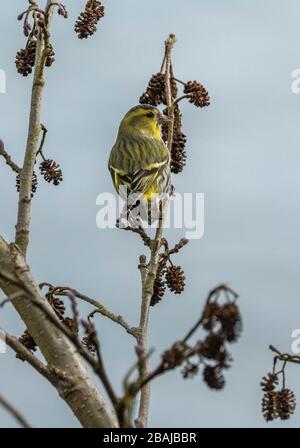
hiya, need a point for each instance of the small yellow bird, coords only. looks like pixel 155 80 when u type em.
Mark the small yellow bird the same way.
pixel 140 160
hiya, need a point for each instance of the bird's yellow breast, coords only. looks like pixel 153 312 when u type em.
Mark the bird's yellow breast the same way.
pixel 150 192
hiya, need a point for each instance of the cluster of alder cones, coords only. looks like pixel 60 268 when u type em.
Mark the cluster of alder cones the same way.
pixel 85 26
pixel 167 274
pixel 51 172
pixel 155 95
pixel 222 324
pixel 277 403
pixel 25 58
pixel 89 341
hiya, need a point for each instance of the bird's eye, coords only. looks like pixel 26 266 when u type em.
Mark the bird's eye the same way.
pixel 150 114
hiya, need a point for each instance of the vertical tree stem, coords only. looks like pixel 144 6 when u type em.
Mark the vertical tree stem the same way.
pixel 169 45
pixel 148 273
pixel 24 208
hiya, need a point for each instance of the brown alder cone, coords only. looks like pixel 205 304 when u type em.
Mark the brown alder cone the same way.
pixel 156 90
pixel 28 342
pixel 51 171
pixel 230 318
pixel 178 152
pixel 159 286
pixel 86 24
pixel 33 185
pixel 213 377
pixel 198 95
pixel 175 279
pixel 25 58
pixel 285 403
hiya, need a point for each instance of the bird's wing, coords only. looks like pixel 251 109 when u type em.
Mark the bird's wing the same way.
pixel 136 164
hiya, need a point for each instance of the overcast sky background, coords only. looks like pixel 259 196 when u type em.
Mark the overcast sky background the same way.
pixel 243 153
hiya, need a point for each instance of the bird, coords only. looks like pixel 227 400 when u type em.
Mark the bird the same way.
pixel 139 161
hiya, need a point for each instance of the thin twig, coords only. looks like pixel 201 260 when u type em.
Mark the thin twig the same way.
pixel 180 98
pixel 105 378
pixel 8 159
pixel 40 150
pixel 63 291
pixel 75 313
pixel 193 329
pixel 26 355
pixel 141 231
pixel 179 80
pixel 14 412
pixel 135 366
pixel 285 357
pixel 170 107
pixel 4 302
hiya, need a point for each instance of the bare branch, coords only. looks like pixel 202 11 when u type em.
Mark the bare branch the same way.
pixel 23 221
pixel 26 355
pixel 64 290
pixel 180 98
pixel 285 357
pixel 8 159
pixel 139 230
pixel 148 273
pixel 50 335
pixel 14 412
pixel 44 133
pixel 170 107
pixel 97 365
pixel 4 302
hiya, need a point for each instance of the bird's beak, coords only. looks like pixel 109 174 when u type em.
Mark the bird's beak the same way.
pixel 163 119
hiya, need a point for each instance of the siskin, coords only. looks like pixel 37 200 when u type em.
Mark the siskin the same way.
pixel 139 161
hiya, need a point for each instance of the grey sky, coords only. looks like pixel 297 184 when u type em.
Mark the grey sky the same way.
pixel 243 153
